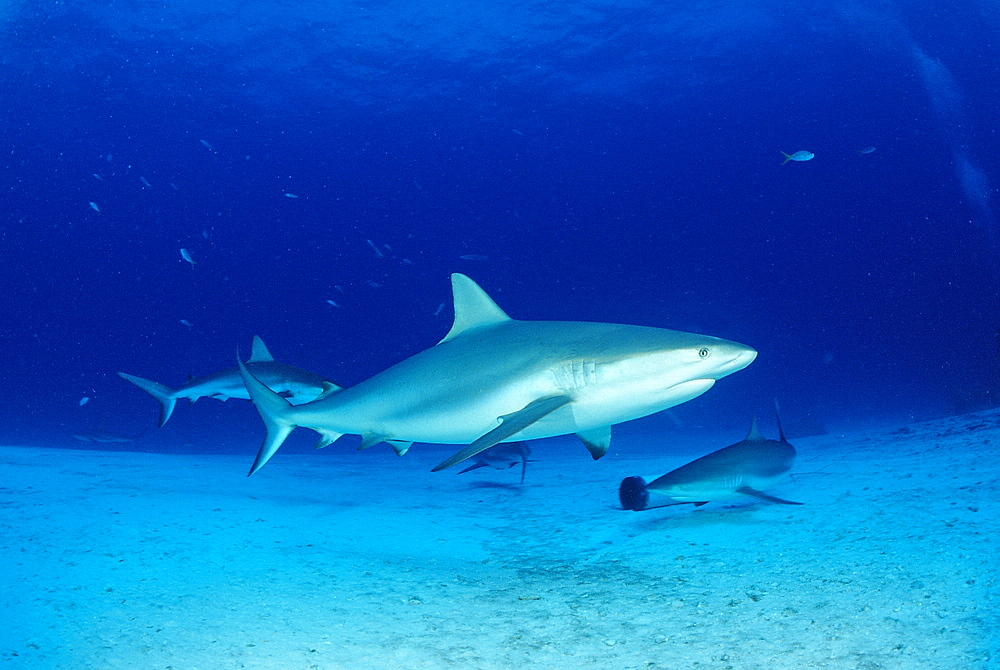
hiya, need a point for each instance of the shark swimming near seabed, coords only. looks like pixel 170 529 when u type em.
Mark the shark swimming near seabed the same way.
pixel 502 457
pixel 295 383
pixel 495 379
pixel 735 472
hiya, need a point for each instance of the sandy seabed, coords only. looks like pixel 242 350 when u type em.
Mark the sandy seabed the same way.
pixel 344 560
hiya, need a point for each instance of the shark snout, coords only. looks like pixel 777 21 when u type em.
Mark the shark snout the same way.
pixel 745 357
pixel 738 357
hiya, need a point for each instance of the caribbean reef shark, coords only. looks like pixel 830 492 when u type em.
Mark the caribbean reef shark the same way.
pixel 297 384
pixel 502 457
pixel 737 471
pixel 495 379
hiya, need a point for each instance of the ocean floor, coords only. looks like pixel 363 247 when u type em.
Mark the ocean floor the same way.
pixel 364 560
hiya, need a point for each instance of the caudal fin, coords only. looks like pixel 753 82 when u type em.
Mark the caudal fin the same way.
pixel 163 395
pixel 276 413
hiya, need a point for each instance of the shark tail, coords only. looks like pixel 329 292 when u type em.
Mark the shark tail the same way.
pixel 165 396
pixel 275 411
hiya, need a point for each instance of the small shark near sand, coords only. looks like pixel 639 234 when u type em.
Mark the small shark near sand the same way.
pixel 104 437
pixel 495 379
pixel 731 473
pixel 297 384
pixel 502 457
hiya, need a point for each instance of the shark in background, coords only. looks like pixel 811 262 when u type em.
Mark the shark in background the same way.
pixel 735 472
pixel 296 384
pixel 503 456
pixel 495 379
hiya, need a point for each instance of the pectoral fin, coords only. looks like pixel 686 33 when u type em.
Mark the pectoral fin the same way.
pixel 474 466
pixel 510 425
pixel 597 440
pixel 747 491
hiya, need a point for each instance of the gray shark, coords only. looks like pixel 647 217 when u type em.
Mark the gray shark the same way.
pixel 495 379
pixel 737 471
pixel 104 437
pixel 297 384
pixel 503 456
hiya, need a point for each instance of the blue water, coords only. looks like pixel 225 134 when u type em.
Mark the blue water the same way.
pixel 599 161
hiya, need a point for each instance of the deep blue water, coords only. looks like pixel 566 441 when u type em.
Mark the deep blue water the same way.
pixel 612 162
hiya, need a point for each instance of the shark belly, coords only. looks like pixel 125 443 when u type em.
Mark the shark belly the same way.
pixel 449 400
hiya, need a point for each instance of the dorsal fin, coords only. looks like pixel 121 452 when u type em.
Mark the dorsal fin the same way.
pixel 473 308
pixel 754 433
pixel 259 352
pixel 777 414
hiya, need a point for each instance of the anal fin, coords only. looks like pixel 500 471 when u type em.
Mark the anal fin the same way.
pixel 327 438
pixel 400 446
pixel 510 425
pixel 371 439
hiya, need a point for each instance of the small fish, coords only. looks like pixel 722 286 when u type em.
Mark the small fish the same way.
pixel 185 322
pixel 174 186
pixel 332 303
pixel 473 257
pixel 207 145
pixel 84 400
pixel 186 256
pixel 437 312
pixel 867 150
pixel 373 284
pixel 378 252
pixel 339 288
pixel 93 206
pixel 798 156
pixel 145 182
pixel 516 131
pixel 291 195
pixel 98 177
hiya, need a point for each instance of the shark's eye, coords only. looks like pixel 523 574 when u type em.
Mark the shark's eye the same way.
pixel 703 352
